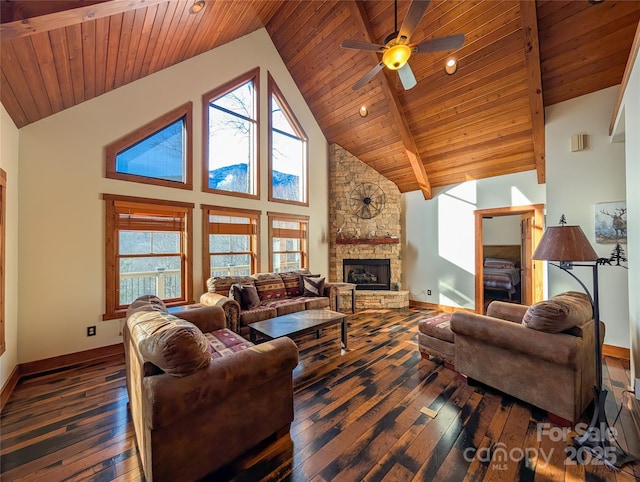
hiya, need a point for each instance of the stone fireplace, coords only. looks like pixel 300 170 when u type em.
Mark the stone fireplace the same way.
pixel 356 237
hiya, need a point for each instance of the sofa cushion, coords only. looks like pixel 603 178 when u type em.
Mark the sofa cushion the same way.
pixel 222 284
pixel 559 314
pixel 270 287
pixel 315 302
pixel 286 305
pixel 174 345
pixel 291 280
pixel 224 342
pixel 438 327
pixel 313 286
pixel 260 313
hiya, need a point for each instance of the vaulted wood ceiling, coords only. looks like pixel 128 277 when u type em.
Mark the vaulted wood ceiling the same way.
pixel 483 121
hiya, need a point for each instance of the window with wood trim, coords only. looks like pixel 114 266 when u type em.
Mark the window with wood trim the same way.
pixel 288 152
pixel 230 241
pixel 158 153
pixel 3 266
pixel 148 252
pixel 288 242
pixel 230 121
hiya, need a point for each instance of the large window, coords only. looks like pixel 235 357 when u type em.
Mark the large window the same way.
pixel 3 222
pixel 159 153
pixel 148 252
pixel 231 137
pixel 287 151
pixel 231 239
pixel 288 242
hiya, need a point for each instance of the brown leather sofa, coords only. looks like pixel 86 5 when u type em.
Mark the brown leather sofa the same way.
pixel 199 394
pixel 279 294
pixel 543 354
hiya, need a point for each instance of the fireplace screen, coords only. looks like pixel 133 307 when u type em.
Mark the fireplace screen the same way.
pixel 367 274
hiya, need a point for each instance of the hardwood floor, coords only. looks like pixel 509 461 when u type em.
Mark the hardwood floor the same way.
pixel 375 412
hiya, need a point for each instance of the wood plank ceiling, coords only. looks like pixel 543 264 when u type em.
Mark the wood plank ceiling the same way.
pixel 483 121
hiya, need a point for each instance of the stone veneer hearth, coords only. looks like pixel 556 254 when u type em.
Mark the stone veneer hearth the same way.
pixel 376 238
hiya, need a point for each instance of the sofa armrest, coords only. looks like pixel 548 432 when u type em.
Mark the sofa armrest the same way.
pixel 168 398
pixel 231 308
pixel 558 348
pixel 206 318
pixel 506 311
pixel 331 292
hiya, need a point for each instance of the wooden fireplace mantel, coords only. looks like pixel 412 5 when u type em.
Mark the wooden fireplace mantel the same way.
pixel 367 240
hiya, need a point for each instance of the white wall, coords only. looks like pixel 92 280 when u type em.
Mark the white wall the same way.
pixel 629 119
pixel 439 249
pixel 62 289
pixel 500 230
pixel 576 181
pixel 9 163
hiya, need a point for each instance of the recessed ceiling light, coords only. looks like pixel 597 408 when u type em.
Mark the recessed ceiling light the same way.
pixel 363 111
pixel 451 66
pixel 197 6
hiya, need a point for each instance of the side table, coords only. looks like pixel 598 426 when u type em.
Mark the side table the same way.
pixel 346 287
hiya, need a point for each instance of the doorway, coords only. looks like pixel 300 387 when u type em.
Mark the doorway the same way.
pixel 530 274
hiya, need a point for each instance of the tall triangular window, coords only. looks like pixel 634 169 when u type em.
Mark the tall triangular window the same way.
pixel 288 152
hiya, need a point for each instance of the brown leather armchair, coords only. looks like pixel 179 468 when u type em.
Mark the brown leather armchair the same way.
pixel 552 371
pixel 199 394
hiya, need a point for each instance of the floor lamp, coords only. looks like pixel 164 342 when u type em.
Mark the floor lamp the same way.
pixel 568 245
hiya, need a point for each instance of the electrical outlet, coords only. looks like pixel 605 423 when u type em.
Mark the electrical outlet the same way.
pixel 91 331
pixel 428 292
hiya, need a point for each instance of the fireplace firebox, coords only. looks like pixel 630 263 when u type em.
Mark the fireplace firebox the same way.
pixel 367 274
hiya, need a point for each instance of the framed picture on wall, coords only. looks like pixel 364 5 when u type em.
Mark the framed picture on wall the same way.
pixel 611 222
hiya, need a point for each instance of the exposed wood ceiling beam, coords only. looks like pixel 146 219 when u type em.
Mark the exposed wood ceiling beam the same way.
pixel 46 23
pixel 397 113
pixel 529 22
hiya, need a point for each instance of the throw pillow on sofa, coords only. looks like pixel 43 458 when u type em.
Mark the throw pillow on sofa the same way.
pixel 560 313
pixel 270 287
pixel 174 345
pixel 313 286
pixel 245 295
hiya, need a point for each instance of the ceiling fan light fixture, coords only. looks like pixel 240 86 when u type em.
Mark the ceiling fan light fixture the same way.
pixel 451 66
pixel 396 57
pixel 363 111
pixel 197 6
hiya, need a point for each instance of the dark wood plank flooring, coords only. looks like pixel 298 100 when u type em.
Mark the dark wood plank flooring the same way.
pixel 359 415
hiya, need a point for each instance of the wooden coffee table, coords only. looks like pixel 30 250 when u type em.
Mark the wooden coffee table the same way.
pixel 299 323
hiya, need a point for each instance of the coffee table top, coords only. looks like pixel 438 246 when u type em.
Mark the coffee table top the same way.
pixel 297 323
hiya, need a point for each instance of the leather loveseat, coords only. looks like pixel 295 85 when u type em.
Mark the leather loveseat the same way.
pixel 543 354
pixel 277 294
pixel 199 394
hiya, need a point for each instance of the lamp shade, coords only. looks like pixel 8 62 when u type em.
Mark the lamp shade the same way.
pixel 564 243
pixel 395 57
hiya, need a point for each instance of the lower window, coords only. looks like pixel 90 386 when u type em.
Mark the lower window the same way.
pixel 148 252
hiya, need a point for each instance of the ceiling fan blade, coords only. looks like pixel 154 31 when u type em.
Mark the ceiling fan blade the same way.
pixel 442 43
pixel 368 76
pixel 358 45
pixel 407 78
pixel 413 16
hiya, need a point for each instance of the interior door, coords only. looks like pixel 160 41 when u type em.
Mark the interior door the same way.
pixel 526 263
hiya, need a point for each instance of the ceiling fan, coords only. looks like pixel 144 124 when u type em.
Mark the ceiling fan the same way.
pixel 397 47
